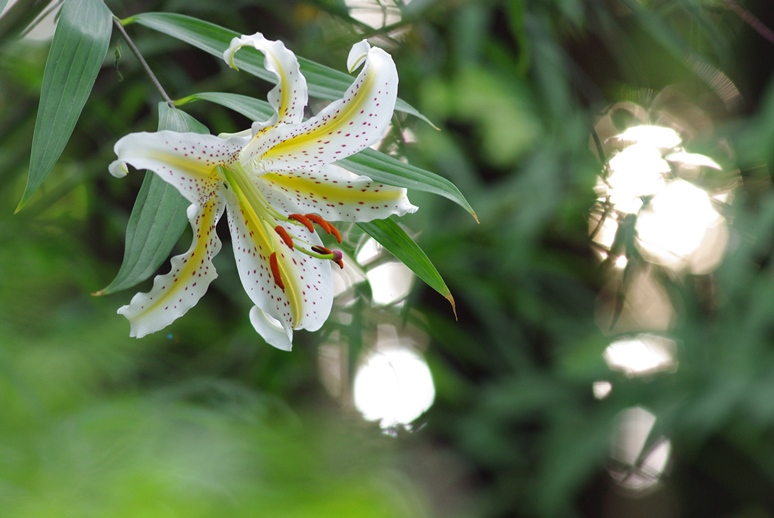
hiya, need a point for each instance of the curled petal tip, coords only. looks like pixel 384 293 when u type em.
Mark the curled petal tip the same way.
pixel 238 43
pixel 228 54
pixel 276 333
pixel 229 59
pixel 118 169
pixel 357 55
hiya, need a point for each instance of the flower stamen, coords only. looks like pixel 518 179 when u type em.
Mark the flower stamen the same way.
pixel 284 235
pixel 330 229
pixel 303 220
pixel 276 271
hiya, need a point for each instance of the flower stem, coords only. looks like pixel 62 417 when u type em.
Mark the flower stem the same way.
pixel 144 64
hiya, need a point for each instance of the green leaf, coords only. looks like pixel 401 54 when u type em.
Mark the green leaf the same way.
pixel 324 82
pixel 253 109
pixel 377 166
pixel 392 237
pixel 385 169
pixel 158 217
pixel 21 16
pixel 77 51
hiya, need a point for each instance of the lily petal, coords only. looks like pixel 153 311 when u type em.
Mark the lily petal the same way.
pixel 334 193
pixel 341 129
pixel 290 96
pixel 271 330
pixel 176 292
pixel 357 55
pixel 185 160
pixel 306 299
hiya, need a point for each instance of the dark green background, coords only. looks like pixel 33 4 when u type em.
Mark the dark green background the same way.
pixel 204 419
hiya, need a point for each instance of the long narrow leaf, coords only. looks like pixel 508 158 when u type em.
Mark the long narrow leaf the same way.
pixel 253 109
pixel 324 82
pixel 392 237
pixel 383 168
pixel 377 166
pixel 78 49
pixel 158 217
pixel 21 16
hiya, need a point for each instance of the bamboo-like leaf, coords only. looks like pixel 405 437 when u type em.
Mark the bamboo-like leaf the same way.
pixel 78 49
pixel 252 108
pixel 158 217
pixel 21 16
pixel 392 237
pixel 324 82
pixel 385 169
pixel 377 166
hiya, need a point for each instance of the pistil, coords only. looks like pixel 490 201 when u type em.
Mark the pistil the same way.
pixel 261 212
pixel 326 253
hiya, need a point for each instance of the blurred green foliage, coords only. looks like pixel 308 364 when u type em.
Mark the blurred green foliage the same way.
pixel 208 421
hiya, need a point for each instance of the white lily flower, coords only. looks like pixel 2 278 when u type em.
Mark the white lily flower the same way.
pixel 275 182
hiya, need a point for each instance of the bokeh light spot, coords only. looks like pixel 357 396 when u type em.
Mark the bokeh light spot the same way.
pixel 654 136
pixel 643 354
pixel 635 468
pixel 393 386
pixel 601 389
pixel 390 282
pixel 374 13
pixel 673 227
pixel 644 199
pixel 636 172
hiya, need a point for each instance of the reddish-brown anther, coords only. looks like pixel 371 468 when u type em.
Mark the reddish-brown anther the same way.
pixel 276 271
pixel 335 233
pixel 320 221
pixel 330 229
pixel 303 220
pixel 284 235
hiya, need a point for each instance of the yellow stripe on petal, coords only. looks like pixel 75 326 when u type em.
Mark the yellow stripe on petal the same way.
pixel 188 161
pixel 325 125
pixel 176 292
pixel 360 190
pixel 284 98
pixel 334 193
pixel 341 129
pixel 259 241
pixel 196 170
pixel 290 280
pixel 289 97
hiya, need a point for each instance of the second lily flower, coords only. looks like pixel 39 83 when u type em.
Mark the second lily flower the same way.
pixel 277 182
